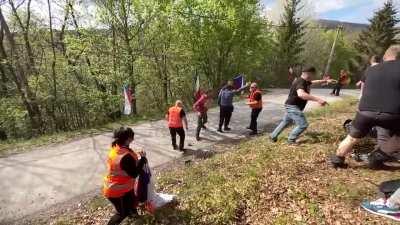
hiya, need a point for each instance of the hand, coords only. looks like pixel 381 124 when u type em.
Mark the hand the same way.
pixel 330 81
pixel 322 102
pixel 199 113
pixel 142 153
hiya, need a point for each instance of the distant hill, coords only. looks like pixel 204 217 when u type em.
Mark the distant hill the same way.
pixel 351 27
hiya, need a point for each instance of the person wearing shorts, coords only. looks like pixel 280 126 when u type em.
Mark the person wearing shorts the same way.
pixel 379 105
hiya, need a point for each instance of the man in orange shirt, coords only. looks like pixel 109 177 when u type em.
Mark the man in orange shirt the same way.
pixel 255 103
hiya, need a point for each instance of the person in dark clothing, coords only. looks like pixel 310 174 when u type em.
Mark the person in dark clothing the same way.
pixel 375 60
pixel 299 95
pixel 225 102
pixel 123 166
pixel 379 105
pixel 255 103
pixel 342 82
pixel 176 118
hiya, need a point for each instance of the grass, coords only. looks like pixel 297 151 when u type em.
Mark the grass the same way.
pixel 259 182
pixel 13 146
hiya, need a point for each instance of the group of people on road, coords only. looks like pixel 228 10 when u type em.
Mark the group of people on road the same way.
pixel 379 107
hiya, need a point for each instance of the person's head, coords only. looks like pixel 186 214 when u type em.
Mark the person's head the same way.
pixel 253 86
pixel 178 103
pixel 374 60
pixel 392 53
pixel 308 73
pixel 123 136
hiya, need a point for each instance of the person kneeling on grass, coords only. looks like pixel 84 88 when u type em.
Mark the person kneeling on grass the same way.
pixel 299 94
pixel 379 105
pixel 123 167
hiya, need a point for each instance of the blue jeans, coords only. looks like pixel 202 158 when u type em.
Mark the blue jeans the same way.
pixel 293 114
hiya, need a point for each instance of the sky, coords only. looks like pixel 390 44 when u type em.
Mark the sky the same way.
pixel 357 11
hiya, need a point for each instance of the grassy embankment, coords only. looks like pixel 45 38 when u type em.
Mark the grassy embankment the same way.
pixel 259 182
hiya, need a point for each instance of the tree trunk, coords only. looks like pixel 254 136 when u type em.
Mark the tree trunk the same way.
pixel 20 79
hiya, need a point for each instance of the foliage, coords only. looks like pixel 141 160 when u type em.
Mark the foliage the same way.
pixel 380 34
pixel 289 39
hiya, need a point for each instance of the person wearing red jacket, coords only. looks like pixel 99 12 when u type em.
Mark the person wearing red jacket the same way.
pixel 200 106
pixel 255 103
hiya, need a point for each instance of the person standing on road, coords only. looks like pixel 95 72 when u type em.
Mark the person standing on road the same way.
pixel 343 78
pixel 123 167
pixel 255 103
pixel 299 95
pixel 379 105
pixel 200 106
pixel 225 102
pixel 176 118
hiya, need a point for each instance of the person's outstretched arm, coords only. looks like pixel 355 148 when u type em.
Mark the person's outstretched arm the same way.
pixel 329 81
pixel 305 96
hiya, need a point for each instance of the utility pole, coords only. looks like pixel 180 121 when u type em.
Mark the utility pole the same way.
pixel 328 65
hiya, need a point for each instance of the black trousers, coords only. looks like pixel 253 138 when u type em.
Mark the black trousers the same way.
pixel 181 132
pixel 254 116
pixel 125 207
pixel 336 89
pixel 201 120
pixel 366 120
pixel 225 114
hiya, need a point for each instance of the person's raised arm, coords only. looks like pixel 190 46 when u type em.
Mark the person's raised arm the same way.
pixel 305 96
pixel 241 89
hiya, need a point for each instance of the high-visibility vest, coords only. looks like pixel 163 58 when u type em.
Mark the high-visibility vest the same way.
pixel 259 104
pixel 117 182
pixel 174 117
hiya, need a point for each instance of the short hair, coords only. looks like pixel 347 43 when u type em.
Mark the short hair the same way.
pixel 121 135
pixel 309 69
pixel 393 51
pixel 375 59
pixel 178 102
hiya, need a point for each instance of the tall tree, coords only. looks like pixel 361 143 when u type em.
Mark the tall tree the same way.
pixel 289 40
pixel 381 33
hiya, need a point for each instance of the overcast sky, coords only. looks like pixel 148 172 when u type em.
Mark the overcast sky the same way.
pixel 358 11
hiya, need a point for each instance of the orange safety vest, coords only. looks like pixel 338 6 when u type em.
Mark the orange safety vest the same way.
pixel 259 104
pixel 174 117
pixel 117 182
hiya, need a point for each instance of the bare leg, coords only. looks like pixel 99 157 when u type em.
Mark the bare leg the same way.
pixel 346 146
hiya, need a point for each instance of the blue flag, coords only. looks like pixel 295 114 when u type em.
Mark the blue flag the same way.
pixel 238 82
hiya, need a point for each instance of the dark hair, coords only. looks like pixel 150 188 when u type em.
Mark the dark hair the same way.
pixel 121 135
pixel 309 69
pixel 375 59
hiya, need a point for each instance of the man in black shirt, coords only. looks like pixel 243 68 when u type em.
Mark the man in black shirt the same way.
pixel 298 96
pixel 379 105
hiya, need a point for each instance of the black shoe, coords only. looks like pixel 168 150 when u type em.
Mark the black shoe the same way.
pixel 227 129
pixel 182 149
pixel 175 147
pixel 253 133
pixel 204 127
pixel 337 162
pixel 248 128
pixel 198 139
pixel 292 143
pixel 377 158
pixel 273 139
pixel 220 130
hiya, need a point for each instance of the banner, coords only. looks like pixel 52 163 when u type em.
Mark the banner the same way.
pixel 127 92
pixel 238 82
